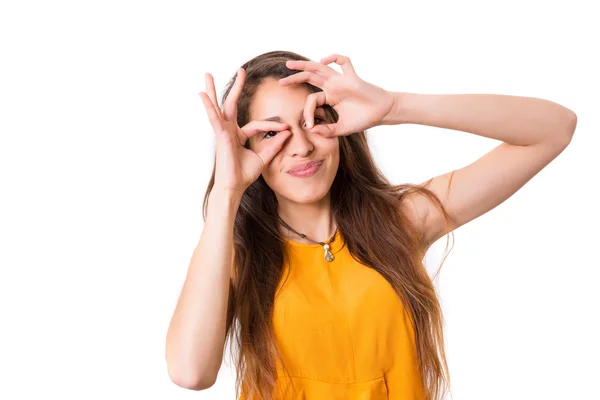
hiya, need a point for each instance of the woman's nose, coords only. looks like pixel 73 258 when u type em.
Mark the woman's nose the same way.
pixel 298 142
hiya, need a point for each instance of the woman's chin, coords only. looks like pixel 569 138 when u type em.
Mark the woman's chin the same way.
pixel 304 194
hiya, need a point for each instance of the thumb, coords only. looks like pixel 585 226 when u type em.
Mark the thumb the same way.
pixel 326 130
pixel 274 146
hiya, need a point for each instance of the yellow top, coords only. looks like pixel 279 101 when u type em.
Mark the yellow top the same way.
pixel 342 331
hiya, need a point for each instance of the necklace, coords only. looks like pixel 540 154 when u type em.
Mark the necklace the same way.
pixel 328 255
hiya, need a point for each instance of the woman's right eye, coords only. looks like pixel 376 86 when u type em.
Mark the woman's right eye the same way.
pixel 265 136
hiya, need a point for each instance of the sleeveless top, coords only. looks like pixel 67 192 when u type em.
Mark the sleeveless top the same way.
pixel 341 329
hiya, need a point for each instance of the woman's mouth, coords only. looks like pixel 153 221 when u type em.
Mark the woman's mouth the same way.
pixel 305 173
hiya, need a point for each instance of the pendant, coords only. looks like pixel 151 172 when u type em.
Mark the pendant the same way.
pixel 328 256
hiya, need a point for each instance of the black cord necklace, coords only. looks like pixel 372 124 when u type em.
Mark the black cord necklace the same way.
pixel 328 255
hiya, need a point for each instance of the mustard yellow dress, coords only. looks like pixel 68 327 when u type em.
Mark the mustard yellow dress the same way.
pixel 342 331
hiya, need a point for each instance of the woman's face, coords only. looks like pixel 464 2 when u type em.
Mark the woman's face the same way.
pixel 287 102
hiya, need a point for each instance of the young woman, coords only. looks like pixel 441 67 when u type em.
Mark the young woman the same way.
pixel 310 261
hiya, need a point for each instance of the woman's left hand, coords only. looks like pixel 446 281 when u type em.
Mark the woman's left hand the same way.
pixel 359 104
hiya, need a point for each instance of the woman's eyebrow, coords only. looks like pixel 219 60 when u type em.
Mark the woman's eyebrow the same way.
pixel 276 118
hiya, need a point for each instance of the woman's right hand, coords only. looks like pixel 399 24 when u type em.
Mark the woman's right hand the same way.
pixel 236 166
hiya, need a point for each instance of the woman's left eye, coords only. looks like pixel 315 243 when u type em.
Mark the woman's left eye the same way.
pixel 318 119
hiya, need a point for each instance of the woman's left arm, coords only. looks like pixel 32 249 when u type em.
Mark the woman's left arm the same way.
pixel 534 132
pixel 516 120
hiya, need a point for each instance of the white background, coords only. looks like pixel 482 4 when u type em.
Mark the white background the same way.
pixel 106 152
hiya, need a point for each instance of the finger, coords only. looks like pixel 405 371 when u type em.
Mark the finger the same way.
pixel 328 130
pixel 230 107
pixel 310 66
pixel 343 61
pixel 214 119
pixel 212 94
pixel 304 76
pixel 254 127
pixel 274 146
pixel 313 101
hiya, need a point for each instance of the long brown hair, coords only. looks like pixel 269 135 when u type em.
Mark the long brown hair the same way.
pixel 363 203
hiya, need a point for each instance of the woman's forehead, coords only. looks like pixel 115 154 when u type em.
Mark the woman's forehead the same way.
pixel 271 100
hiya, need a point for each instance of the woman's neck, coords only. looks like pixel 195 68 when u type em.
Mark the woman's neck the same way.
pixel 314 235
pixel 313 220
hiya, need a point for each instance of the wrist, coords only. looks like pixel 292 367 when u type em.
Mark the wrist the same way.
pixel 224 199
pixel 396 114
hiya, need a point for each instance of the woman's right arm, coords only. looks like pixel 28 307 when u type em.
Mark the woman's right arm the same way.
pixel 196 334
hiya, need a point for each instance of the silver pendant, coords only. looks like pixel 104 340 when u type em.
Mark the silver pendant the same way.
pixel 328 256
